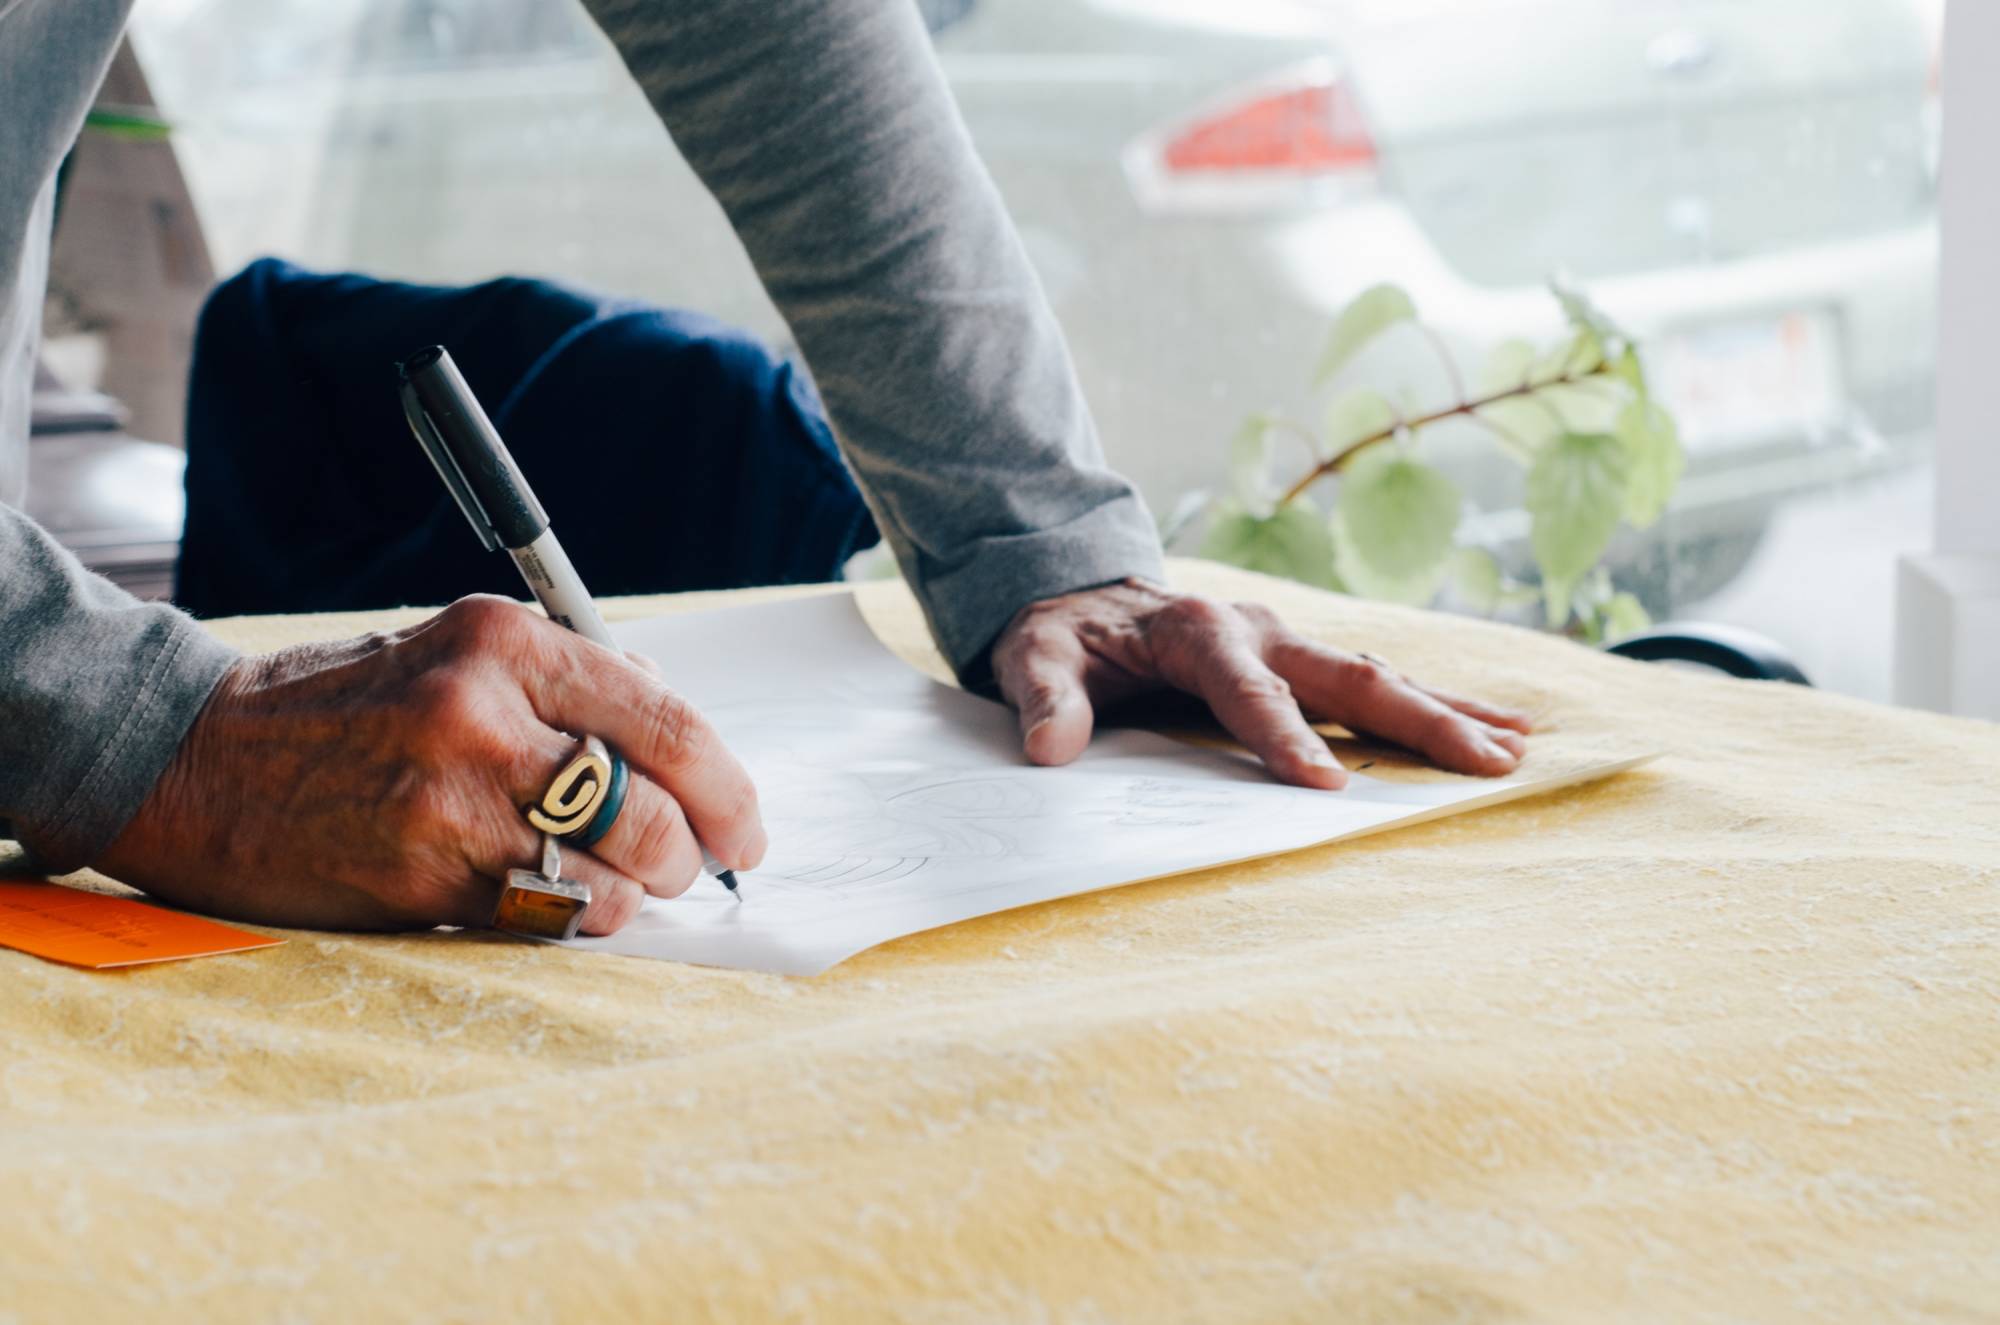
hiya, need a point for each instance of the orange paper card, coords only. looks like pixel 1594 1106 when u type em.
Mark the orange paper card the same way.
pixel 90 929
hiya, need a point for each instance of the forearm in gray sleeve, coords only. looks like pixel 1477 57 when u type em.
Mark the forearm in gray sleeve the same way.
pixel 96 691
pixel 826 131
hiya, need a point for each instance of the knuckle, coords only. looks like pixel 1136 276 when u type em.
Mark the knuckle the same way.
pixel 1259 687
pixel 744 809
pixel 425 813
pixel 1365 673
pixel 621 910
pixel 656 840
pixel 1033 641
pixel 377 641
pixel 1041 695
pixel 615 908
pixel 675 731
pixel 677 880
pixel 1287 651
pixel 446 700
pixel 1258 615
pixel 481 623
pixel 1193 615
pixel 1044 628
pixel 1032 636
pixel 1043 614
pixel 1467 732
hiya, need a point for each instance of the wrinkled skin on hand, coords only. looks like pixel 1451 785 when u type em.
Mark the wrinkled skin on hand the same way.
pixel 376 783
pixel 1062 660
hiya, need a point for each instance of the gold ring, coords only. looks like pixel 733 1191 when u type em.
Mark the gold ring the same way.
pixel 574 794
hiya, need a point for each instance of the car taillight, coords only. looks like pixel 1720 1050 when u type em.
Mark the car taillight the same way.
pixel 1294 139
pixel 1307 129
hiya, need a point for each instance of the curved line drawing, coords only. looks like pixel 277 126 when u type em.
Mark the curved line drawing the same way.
pixel 973 796
pixel 849 870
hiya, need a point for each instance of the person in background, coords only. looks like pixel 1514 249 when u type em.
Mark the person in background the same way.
pixel 376 782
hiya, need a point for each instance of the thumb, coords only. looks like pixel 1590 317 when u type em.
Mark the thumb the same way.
pixel 1048 689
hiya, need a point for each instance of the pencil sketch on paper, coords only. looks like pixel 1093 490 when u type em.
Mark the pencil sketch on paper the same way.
pixel 894 804
pixel 1163 803
pixel 853 830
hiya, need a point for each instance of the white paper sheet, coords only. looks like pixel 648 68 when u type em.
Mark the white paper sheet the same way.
pixel 895 804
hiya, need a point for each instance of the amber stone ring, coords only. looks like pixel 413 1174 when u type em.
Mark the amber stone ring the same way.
pixel 541 904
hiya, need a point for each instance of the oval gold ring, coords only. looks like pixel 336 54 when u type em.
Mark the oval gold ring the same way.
pixel 575 793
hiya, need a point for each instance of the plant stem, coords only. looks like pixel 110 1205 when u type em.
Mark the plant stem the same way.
pixel 1333 463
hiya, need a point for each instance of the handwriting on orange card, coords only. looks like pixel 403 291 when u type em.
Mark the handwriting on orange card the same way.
pixel 90 929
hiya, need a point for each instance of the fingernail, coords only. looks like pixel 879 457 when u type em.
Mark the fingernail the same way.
pixel 753 855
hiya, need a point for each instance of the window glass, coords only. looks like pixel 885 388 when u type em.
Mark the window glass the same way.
pixel 1748 186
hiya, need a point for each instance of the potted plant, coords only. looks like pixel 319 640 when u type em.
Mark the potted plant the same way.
pixel 1595 449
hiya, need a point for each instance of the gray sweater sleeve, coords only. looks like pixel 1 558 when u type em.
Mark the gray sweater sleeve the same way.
pixel 100 689
pixel 825 130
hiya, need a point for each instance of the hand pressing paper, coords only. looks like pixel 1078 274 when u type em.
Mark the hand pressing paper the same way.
pixel 895 804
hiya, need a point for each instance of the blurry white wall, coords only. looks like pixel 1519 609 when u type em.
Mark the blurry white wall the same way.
pixel 1948 600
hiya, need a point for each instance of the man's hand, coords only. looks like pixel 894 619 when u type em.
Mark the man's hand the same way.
pixel 1061 659
pixel 377 783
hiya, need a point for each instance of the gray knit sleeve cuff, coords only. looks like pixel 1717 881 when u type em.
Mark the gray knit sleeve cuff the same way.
pixel 972 602
pixel 159 682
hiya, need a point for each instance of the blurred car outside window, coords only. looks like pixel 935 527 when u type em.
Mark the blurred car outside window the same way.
pixel 1748 185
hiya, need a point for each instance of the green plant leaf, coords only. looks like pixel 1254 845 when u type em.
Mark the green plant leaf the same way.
pixel 1355 574
pixel 1250 466
pixel 1555 600
pixel 1475 575
pixel 1589 623
pixel 1400 512
pixel 1590 408
pixel 1584 354
pixel 1653 445
pixel 1372 312
pixel 1293 542
pixel 1628 368
pixel 1506 367
pixel 1582 314
pixel 1523 424
pixel 1624 615
pixel 1575 493
pixel 1548 364
pixel 1596 588
pixel 1354 415
pixel 1576 355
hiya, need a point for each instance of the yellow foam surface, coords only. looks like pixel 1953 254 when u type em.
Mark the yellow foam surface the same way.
pixel 1718 1039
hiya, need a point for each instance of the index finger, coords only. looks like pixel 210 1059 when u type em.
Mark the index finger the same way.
pixel 1367 697
pixel 1254 704
pixel 586 689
